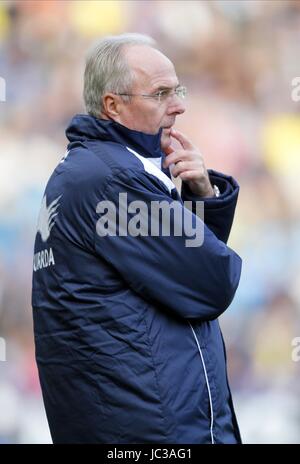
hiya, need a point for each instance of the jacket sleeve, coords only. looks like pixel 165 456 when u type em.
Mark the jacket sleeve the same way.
pixel 218 212
pixel 196 282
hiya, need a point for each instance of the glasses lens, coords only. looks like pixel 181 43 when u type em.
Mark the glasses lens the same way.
pixel 163 95
pixel 181 92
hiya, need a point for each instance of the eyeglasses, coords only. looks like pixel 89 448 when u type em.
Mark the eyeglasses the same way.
pixel 161 95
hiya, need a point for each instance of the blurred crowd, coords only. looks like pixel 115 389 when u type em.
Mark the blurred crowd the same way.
pixel 238 60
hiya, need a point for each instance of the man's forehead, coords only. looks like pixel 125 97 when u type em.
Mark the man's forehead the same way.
pixel 151 65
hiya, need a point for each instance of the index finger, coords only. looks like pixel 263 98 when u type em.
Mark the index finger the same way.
pixel 182 139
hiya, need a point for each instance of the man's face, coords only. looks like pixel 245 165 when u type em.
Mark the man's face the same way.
pixel 153 72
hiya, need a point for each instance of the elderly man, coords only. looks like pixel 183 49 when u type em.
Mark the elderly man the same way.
pixel 128 344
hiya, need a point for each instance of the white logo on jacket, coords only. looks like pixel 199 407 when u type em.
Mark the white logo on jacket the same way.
pixel 46 219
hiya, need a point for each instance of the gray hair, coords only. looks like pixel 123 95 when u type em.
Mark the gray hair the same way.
pixel 106 69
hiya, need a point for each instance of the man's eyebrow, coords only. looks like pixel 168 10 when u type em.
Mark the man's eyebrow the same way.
pixel 166 87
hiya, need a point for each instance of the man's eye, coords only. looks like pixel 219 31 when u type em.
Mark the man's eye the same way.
pixel 162 93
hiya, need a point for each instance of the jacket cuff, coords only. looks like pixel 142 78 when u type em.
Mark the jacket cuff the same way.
pixel 218 211
pixel 228 190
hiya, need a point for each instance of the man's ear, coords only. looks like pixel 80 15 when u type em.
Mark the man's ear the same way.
pixel 111 105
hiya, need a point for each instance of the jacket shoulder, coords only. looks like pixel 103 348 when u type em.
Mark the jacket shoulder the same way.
pixel 93 163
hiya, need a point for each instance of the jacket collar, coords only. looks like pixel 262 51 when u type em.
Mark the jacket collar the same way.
pixel 85 127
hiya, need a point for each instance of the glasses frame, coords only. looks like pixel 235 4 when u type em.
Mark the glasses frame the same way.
pixel 180 92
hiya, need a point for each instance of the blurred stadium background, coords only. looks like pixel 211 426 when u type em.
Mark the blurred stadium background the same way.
pixel 238 60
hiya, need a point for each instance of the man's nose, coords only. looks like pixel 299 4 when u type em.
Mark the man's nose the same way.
pixel 176 106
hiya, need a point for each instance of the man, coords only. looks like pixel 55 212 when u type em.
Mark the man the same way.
pixel 128 344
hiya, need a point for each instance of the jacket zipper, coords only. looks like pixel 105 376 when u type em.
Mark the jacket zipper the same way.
pixel 208 388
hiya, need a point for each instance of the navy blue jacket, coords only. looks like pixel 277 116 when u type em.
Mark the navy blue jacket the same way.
pixel 128 344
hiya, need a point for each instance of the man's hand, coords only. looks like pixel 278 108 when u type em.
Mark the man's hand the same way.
pixel 188 165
